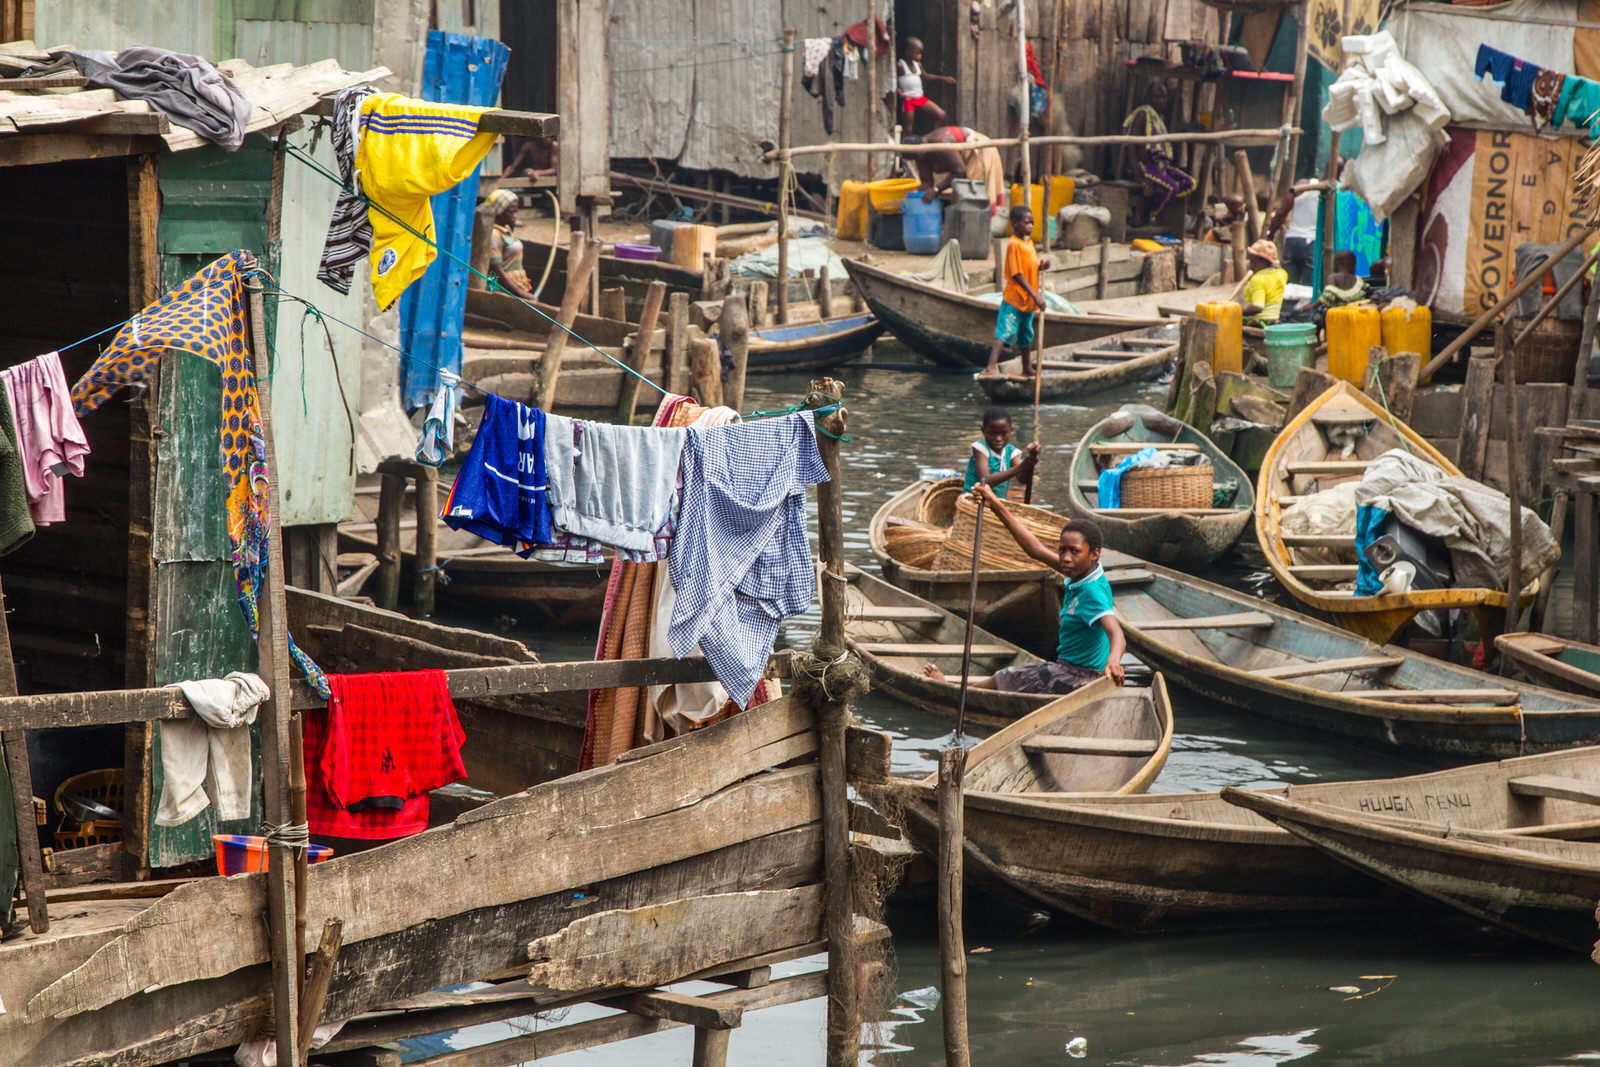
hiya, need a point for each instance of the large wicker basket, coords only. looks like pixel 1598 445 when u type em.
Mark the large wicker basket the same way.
pixel 1167 487
pixel 938 504
pixel 1550 354
pixel 999 550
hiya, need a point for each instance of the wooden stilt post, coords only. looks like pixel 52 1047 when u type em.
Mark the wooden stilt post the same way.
pixel 734 326
pixel 824 294
pixel 1539 620
pixel 577 281
pixel 391 492
pixel 638 354
pixel 1507 359
pixel 425 583
pixel 1291 104
pixel 317 982
pixel 14 744
pixel 278 751
pixel 872 83
pixel 844 1011
pixel 1585 564
pixel 707 372
pixel 786 169
pixel 674 351
pixel 1022 114
pixel 952 940
pixel 1477 401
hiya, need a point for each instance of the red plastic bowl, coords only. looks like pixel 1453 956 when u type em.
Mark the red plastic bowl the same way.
pixel 245 853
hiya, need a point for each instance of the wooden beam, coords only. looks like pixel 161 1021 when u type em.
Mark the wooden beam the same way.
pixel 1500 697
pixel 512 123
pixel 1549 785
pixel 1329 666
pixel 1240 138
pixel 27 150
pixel 682 1008
pixel 1241 618
pixel 1091 746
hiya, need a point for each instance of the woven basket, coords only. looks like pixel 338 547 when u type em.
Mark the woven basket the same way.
pixel 999 550
pixel 1167 487
pixel 1550 354
pixel 911 546
pixel 938 504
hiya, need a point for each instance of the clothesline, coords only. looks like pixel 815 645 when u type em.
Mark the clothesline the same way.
pixel 491 282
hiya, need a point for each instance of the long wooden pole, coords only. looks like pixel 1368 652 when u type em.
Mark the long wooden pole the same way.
pixel 1022 113
pixel 1245 138
pixel 844 1020
pixel 872 81
pixel 1523 284
pixel 277 748
pixel 1038 382
pixel 952 938
pixel 1291 109
pixel 785 173
pixel 1560 294
pixel 586 256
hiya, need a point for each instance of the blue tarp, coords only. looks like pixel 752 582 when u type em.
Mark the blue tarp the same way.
pixel 457 70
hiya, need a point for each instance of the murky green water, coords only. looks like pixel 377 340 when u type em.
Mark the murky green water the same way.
pixel 1431 991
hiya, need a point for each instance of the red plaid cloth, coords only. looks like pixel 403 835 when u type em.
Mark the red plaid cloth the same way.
pixel 385 740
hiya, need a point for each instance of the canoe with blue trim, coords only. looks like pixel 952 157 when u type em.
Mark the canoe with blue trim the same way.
pixel 807 346
pixel 1088 367
pixel 1557 662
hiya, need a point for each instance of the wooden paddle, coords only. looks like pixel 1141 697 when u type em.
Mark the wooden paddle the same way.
pixel 1038 382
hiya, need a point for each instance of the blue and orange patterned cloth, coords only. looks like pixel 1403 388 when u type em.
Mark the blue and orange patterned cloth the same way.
pixel 205 315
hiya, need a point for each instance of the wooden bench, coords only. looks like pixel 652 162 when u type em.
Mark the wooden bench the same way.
pixel 1090 746
pixel 894 614
pixel 1496 697
pixel 1578 790
pixel 1135 446
pixel 1329 666
pixel 1319 540
pixel 1325 466
pixel 1145 513
pixel 918 648
pixel 1324 572
pixel 1252 619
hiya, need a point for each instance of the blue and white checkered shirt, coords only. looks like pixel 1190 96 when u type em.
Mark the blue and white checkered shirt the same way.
pixel 740 558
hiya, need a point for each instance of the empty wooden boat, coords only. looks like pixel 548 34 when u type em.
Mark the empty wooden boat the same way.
pixel 1176 536
pixel 1086 367
pixel 812 345
pixel 1543 887
pixel 1557 662
pixel 1021 602
pixel 481 575
pixel 955 329
pixel 1305 459
pixel 897 635
pixel 1252 654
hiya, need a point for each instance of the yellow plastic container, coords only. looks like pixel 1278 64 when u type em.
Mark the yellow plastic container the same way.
pixel 1408 330
pixel 1352 331
pixel 1062 189
pixel 853 201
pixel 886 195
pixel 690 243
pixel 1144 244
pixel 1228 352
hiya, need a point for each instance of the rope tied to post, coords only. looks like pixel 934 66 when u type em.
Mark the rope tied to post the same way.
pixel 828 674
pixel 296 836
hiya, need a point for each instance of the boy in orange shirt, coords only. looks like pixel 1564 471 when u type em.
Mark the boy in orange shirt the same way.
pixel 1014 325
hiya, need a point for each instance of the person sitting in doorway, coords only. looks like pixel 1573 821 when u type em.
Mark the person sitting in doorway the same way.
pixel 1263 292
pixel 911 76
pixel 495 227
pixel 537 158
pixel 1152 163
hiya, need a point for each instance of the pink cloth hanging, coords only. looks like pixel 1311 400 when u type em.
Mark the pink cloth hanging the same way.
pixel 49 436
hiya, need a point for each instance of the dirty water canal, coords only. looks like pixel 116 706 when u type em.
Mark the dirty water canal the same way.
pixel 1420 989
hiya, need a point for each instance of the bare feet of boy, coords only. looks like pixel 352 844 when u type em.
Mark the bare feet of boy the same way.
pixel 934 672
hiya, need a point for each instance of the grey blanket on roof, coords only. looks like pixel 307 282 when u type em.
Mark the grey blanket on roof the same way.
pixel 187 89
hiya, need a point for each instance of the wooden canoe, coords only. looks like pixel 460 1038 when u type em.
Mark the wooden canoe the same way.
pixel 897 634
pixel 1542 887
pixel 1099 364
pixel 1021 604
pixel 1303 460
pixel 1172 860
pixel 1268 660
pixel 957 330
pixel 1557 662
pixel 484 575
pixel 812 345
pixel 697 854
pixel 1173 537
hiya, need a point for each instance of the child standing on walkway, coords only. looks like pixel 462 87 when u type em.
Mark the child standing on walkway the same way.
pixel 995 460
pixel 910 75
pixel 1014 324
pixel 1089 642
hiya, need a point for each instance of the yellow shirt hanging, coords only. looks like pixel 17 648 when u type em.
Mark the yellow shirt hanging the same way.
pixel 409 150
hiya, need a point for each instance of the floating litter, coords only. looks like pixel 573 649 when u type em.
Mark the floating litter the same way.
pixel 1078 1048
pixel 927 997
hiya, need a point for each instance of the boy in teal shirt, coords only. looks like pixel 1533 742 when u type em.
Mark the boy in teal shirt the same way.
pixel 1089 642
pixel 1000 460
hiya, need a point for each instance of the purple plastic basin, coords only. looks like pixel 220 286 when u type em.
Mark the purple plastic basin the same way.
pixel 632 251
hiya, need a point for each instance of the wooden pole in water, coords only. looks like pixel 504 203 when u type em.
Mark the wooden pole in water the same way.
pixel 1508 363
pixel 785 170
pixel 1038 382
pixel 734 326
pixel 278 752
pixel 844 1018
pixel 952 839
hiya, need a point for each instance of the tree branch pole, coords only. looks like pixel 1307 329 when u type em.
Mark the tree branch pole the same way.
pixel 1508 365
pixel 785 173
pixel 1523 284
pixel 844 1012
pixel 872 81
pixel 1242 138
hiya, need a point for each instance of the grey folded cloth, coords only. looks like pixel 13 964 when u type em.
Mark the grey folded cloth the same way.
pixel 187 89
